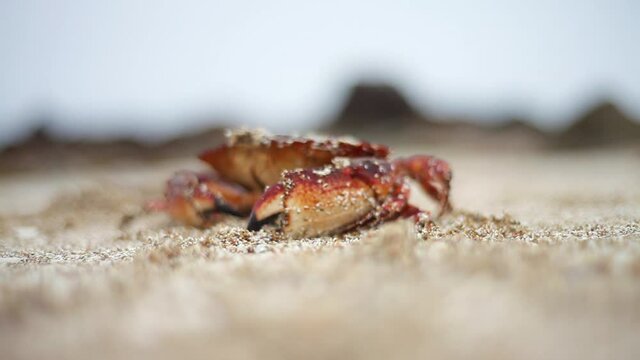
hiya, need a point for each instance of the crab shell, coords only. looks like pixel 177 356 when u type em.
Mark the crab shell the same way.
pixel 256 161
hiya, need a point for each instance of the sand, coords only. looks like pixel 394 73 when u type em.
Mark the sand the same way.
pixel 541 259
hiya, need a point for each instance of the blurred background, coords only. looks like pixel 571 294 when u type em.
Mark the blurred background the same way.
pixel 148 74
pixel 534 104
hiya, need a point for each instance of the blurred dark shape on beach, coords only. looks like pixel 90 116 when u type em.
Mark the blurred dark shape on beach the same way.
pixel 602 125
pixel 381 112
pixel 377 112
pixel 376 106
pixel 41 150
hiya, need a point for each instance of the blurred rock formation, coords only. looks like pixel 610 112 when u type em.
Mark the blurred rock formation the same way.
pixel 41 150
pixel 380 112
pixel 603 125
pixel 375 112
pixel 376 106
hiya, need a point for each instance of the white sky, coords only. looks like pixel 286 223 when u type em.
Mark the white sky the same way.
pixel 160 66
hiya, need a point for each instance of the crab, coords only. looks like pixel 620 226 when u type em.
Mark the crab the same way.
pixel 304 186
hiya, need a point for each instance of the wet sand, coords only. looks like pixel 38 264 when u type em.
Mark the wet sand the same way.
pixel 541 259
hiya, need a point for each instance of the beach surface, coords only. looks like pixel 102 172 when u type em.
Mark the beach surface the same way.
pixel 540 259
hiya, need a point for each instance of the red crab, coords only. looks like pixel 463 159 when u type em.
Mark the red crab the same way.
pixel 304 186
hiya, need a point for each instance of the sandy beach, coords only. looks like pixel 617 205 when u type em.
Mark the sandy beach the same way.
pixel 540 259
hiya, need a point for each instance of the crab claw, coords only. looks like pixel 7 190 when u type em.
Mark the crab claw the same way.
pixel 198 198
pixel 315 201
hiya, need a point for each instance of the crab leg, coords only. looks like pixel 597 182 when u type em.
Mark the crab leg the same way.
pixel 198 198
pixel 434 175
pixel 398 205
